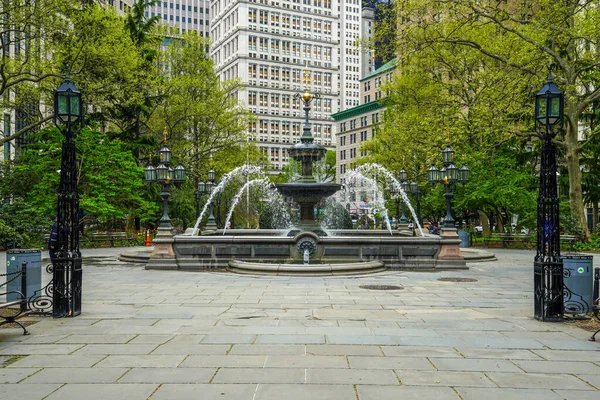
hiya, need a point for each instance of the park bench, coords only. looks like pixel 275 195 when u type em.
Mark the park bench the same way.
pixel 109 237
pixel 596 301
pixel 505 239
pixel 21 300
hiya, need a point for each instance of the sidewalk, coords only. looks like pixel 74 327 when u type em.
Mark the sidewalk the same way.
pixel 182 335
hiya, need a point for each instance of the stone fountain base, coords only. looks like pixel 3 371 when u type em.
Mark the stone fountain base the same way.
pixel 359 268
pixel 272 247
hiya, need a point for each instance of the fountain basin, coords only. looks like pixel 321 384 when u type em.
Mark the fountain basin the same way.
pixel 215 250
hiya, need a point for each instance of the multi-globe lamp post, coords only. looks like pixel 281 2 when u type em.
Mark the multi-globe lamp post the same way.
pixel 207 188
pixel 395 190
pixel 449 175
pixel 415 191
pixel 548 266
pixel 67 272
pixel 164 175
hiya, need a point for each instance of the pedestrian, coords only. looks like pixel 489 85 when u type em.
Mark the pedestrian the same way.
pixel 435 230
pixel 53 241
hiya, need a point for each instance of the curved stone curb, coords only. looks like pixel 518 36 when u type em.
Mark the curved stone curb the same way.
pixel 360 268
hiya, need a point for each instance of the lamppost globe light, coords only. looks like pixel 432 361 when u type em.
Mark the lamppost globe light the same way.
pixel 164 155
pixel 452 171
pixel 179 173
pixel 447 155
pixel 211 175
pixel 414 187
pixel 433 175
pixel 150 173
pixel 162 173
pixel 68 108
pixel 549 104
pixel 464 174
pixel 209 187
pixel 201 186
pixel 403 175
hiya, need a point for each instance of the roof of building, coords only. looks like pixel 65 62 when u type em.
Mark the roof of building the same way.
pixel 358 110
pixel 385 67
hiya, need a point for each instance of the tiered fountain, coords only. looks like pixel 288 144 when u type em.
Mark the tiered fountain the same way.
pixel 307 249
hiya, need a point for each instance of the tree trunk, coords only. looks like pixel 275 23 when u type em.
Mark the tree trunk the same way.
pixel 595 217
pixel 575 193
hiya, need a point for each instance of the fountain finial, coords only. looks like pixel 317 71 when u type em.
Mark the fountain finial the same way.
pixel 307 97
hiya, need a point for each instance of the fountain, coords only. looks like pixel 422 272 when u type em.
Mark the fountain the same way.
pixel 307 249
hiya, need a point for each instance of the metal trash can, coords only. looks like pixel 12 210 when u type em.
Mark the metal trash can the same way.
pixel 14 262
pixel 464 238
pixel 578 273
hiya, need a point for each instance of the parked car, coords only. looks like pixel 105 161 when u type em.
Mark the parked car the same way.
pixel 479 229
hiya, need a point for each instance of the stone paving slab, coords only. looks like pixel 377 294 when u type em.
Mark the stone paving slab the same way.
pixel 267 349
pixel 14 375
pixel 103 391
pixel 27 391
pixel 50 349
pixel 309 361
pixel 77 375
pixel 116 349
pixel 476 365
pixel 506 394
pixel 168 375
pixel 146 361
pixel 406 393
pixel 57 361
pixel 312 392
pixel 577 394
pixel 260 375
pixel 360 362
pixel 351 376
pixel 537 381
pixel 444 378
pixel 559 367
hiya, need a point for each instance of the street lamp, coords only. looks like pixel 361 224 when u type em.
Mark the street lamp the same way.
pixel 415 191
pixel 395 190
pixel 67 271
pixel 548 266
pixel 207 188
pixel 449 175
pixel 164 175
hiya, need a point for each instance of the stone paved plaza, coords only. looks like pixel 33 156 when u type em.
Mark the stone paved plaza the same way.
pixel 181 335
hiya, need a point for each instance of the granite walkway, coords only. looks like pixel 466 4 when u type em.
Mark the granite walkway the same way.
pixel 176 335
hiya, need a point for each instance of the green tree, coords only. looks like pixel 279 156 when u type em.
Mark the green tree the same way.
pixel 30 32
pixel 522 38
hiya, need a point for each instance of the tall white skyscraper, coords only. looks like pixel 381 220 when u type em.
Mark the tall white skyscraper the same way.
pixel 186 15
pixel 269 43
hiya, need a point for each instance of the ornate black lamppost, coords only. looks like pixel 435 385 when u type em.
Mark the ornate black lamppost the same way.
pixel 449 175
pixel 207 188
pixel 67 272
pixel 547 265
pixel 415 191
pixel 402 180
pixel 165 176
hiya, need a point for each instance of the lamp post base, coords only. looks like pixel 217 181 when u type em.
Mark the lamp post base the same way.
pixel 450 241
pixel 163 255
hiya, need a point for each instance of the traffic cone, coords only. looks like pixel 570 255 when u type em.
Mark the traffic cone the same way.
pixel 147 237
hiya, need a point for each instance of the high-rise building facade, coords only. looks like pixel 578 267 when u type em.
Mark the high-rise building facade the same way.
pixel 185 15
pixel 269 43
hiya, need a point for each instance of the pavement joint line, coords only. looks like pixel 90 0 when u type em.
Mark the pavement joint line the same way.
pixel 215 374
pixel 586 382
pixel 123 374
pixel 395 372
pixel 155 390
pixel 457 393
pixel 255 391
pixel 54 391
pixel 127 342
pixel 77 349
pixel 30 375
pixel 265 363
pixel 182 361
pixel 354 386
pixel 491 380
pixel 432 364
pixel 99 361
pixel 305 374
pixel 516 365
pixel 231 348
